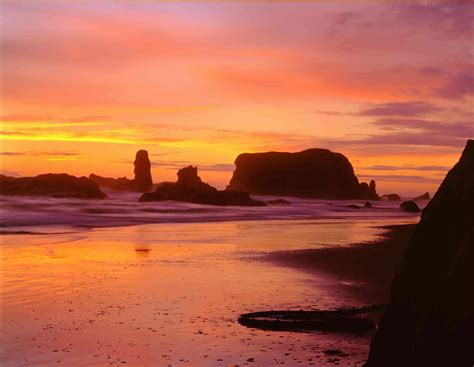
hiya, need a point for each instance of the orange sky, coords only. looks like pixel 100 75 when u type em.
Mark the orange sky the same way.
pixel 85 85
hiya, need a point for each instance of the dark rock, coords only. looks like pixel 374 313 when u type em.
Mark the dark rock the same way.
pixel 425 196
pixel 430 316
pixel 52 185
pixel 190 188
pixel 391 197
pixel 334 352
pixel 278 202
pixel 340 320
pixel 226 197
pixel 119 184
pixel 410 206
pixel 372 190
pixel 353 206
pixel 367 204
pixel 313 173
pixel 143 181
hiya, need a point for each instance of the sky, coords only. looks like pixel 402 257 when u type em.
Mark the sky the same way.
pixel 85 85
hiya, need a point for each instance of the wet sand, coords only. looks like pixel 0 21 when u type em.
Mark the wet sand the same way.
pixel 159 295
pixel 364 269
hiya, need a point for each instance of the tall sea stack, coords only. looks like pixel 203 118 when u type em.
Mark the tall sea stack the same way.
pixel 143 181
pixel 430 316
pixel 313 173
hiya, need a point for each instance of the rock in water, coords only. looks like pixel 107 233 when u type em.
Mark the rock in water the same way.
pixel 429 320
pixel 425 196
pixel 188 176
pixel 226 197
pixel 278 202
pixel 190 188
pixel 410 206
pixel 52 185
pixel 119 184
pixel 391 197
pixel 143 181
pixel 313 173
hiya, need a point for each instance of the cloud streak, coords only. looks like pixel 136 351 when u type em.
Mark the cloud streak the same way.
pixel 412 108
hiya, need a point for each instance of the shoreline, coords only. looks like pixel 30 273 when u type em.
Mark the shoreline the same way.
pixel 159 295
pixel 362 269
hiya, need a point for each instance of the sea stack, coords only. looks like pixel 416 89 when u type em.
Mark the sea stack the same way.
pixel 143 181
pixel 313 173
pixel 429 320
pixel 190 188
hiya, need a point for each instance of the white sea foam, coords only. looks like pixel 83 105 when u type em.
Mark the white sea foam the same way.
pixel 120 209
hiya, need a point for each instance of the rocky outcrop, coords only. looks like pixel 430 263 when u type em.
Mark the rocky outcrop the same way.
pixel 313 173
pixel 143 181
pixel 226 197
pixel 410 206
pixel 391 197
pixel 52 185
pixel 425 196
pixel 430 317
pixel 190 188
pixel 278 202
pixel 119 184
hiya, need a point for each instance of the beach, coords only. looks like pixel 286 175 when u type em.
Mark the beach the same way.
pixel 171 293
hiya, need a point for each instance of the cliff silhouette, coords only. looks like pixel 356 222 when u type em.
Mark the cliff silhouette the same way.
pixel 430 316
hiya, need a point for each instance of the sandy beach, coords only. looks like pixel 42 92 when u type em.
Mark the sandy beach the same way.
pixel 170 294
pixel 364 270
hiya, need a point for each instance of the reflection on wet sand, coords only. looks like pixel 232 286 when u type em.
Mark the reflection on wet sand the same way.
pixel 167 294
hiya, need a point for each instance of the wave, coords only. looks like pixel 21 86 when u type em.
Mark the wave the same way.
pixel 121 209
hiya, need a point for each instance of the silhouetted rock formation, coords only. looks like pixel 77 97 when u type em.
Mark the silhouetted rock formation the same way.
pixel 410 206
pixel 367 204
pixel 425 196
pixel 190 188
pixel 278 202
pixel 120 184
pixel 52 185
pixel 391 197
pixel 226 197
pixel 353 206
pixel 313 173
pixel 143 181
pixel 430 317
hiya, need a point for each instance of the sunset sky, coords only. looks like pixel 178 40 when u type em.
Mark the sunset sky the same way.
pixel 85 85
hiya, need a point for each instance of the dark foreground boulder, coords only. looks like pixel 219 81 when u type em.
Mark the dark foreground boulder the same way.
pixel 313 173
pixel 52 185
pixel 191 189
pixel 430 317
pixel 410 206
pixel 425 196
pixel 343 320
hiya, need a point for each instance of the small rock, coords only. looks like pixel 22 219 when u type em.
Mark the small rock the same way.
pixel 410 206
